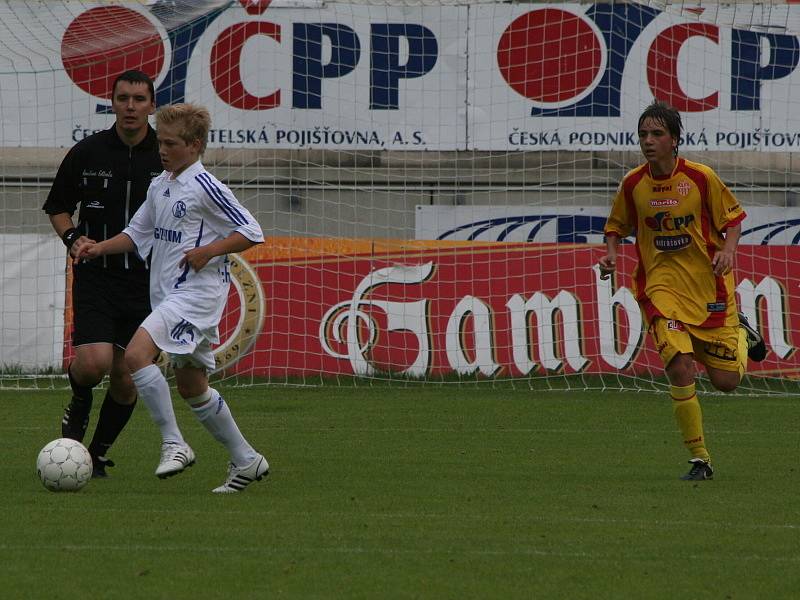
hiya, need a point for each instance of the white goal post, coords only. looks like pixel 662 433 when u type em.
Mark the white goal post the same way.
pixel 432 177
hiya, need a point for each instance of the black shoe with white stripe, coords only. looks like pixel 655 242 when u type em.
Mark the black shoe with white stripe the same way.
pixel 75 419
pixel 700 471
pixel 756 348
pixel 240 478
pixel 99 464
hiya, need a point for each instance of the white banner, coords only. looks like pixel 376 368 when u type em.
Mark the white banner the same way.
pixel 32 297
pixel 570 76
pixel 357 76
pixel 574 224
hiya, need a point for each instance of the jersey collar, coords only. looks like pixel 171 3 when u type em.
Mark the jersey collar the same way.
pixel 189 173
pixel 148 143
pixel 678 161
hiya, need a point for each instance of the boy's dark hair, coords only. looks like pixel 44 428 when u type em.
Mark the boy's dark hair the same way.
pixel 667 116
pixel 135 76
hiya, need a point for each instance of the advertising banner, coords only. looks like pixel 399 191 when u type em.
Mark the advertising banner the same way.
pixel 577 76
pixel 310 307
pixel 574 224
pixel 308 74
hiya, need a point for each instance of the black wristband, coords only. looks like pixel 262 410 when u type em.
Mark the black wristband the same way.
pixel 69 237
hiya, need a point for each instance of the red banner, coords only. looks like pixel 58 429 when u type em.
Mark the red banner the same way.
pixel 336 307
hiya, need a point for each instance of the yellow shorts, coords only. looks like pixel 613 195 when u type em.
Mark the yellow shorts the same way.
pixel 717 347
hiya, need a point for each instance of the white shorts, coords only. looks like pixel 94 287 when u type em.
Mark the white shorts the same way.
pixel 184 344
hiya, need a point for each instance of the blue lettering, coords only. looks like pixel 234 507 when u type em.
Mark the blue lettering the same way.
pixel 307 59
pixel 746 70
pixel 386 70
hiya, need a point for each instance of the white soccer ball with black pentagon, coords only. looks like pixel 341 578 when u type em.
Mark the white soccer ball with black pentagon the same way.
pixel 64 465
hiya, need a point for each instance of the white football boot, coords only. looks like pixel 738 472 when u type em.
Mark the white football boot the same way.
pixel 175 457
pixel 240 478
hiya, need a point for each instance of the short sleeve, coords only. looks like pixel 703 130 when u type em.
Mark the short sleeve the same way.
pixel 225 214
pixel 63 195
pixel 619 220
pixel 725 208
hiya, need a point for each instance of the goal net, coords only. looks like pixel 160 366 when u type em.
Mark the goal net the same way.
pixel 432 177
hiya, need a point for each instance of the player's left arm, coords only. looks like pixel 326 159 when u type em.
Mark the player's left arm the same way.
pixel 728 215
pixel 197 258
pixel 722 263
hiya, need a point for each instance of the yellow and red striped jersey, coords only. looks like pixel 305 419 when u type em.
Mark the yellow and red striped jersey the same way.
pixel 679 222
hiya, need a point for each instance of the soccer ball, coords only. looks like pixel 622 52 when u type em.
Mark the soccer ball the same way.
pixel 64 465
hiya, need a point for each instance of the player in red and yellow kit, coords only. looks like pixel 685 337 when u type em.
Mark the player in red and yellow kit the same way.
pixel 687 225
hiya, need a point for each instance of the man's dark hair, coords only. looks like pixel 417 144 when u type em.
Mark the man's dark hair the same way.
pixel 663 113
pixel 135 76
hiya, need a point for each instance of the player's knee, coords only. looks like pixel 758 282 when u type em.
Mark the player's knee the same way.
pixel 135 360
pixel 727 382
pixel 727 386
pixel 88 373
pixel 680 370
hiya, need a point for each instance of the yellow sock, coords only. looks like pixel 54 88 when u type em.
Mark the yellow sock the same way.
pixel 686 409
pixel 742 351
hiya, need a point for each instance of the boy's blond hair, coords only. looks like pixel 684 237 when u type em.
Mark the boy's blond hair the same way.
pixel 194 122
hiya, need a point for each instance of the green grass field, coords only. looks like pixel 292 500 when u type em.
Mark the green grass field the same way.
pixel 421 492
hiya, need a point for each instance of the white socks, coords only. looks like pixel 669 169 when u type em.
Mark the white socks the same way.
pixel 213 412
pixel 154 392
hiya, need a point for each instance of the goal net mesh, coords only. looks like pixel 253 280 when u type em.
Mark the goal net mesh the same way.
pixel 432 178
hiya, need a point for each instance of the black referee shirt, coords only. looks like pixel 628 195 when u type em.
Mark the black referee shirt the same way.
pixel 109 180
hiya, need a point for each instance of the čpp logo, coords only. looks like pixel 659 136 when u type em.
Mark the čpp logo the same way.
pixel 664 221
pixel 552 57
pixel 570 64
pixel 103 42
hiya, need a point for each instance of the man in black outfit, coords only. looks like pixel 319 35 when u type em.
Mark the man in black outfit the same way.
pixel 108 173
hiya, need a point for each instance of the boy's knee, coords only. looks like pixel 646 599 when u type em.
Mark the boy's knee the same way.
pixel 135 360
pixel 727 381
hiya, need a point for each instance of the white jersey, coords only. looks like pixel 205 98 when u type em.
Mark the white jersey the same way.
pixel 190 211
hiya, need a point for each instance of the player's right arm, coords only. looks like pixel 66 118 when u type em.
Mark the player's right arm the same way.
pixel 65 229
pixel 617 227
pixel 62 201
pixel 608 263
pixel 118 244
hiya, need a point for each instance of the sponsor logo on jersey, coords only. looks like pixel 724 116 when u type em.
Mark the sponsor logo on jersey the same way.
pixel 166 194
pixel 179 209
pixel 657 189
pixel 94 204
pixel 672 243
pixel 665 221
pixel 168 235
pixel 662 202
pixel 684 187
pixel 716 307
pixel 734 208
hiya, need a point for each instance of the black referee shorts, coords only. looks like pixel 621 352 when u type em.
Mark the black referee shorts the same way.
pixel 108 305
